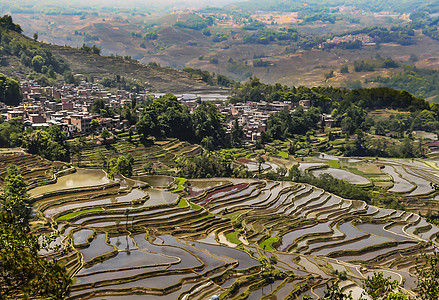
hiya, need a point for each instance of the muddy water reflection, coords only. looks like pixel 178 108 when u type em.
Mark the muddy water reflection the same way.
pixel 82 178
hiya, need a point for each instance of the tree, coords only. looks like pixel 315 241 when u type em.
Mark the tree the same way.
pixel 94 124
pixel 38 62
pixel 208 122
pixel 35 36
pixel 48 144
pixel 236 134
pixel 23 274
pixel 121 165
pixel 428 277
pixel 166 117
pixel 10 91
pixel 105 135
pixel 379 287
pixel 334 292
pixel 260 161
pixel 14 197
pixel 98 105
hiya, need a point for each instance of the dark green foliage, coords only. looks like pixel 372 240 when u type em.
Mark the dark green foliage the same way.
pixel 428 275
pixel 48 144
pixel 195 22
pixel 334 292
pixel 11 133
pixel 218 38
pixel 204 166
pixel 208 123
pixel 379 287
pixel 260 63
pixel 166 117
pixel 286 123
pixel 31 53
pixel 265 37
pixel 254 25
pixel 122 83
pixel 308 18
pixel 205 75
pixel 23 274
pixel 363 66
pixel 7 23
pixel 420 82
pixel 10 91
pixel 255 90
pixel 236 135
pixel 121 165
pixel 151 35
pixel 14 197
pixel 329 183
pixel 210 79
pixel 344 69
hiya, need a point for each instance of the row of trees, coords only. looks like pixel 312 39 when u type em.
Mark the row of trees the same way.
pixel 50 144
pixel 327 98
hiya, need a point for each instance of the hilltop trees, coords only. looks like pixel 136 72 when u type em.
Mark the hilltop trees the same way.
pixel 7 23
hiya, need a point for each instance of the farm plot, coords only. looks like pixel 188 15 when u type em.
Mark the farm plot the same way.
pixel 128 242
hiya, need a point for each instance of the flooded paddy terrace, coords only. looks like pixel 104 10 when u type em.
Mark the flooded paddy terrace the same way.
pixel 134 242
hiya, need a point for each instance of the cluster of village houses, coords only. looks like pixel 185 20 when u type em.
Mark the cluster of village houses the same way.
pixel 69 107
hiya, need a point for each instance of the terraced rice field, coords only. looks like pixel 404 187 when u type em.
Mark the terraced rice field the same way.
pixel 33 168
pixel 161 153
pixel 225 237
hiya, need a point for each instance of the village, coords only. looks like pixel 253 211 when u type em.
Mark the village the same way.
pixel 70 107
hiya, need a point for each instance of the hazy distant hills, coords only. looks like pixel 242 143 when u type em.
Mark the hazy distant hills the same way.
pixel 244 38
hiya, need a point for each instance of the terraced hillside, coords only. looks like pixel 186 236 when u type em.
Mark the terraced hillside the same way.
pixel 158 79
pixel 161 153
pixel 241 239
pixel 33 168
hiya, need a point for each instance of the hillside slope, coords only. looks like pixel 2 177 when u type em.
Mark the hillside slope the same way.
pixel 18 51
pixel 159 79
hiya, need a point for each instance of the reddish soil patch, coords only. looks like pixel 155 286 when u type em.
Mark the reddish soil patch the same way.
pixel 222 192
pixel 243 160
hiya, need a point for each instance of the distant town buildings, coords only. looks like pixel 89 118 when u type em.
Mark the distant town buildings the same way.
pixel 69 106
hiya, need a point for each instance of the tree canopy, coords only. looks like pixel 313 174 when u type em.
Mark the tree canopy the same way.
pixel 23 273
pixel 10 91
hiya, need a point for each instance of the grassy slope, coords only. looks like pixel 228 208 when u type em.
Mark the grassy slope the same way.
pixel 160 79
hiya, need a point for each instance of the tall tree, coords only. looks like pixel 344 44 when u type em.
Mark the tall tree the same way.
pixel 23 273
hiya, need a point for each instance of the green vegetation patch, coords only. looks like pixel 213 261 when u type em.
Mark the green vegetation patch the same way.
pixel 181 185
pixel 233 237
pixel 283 154
pixel 234 216
pixel 334 164
pixel 267 244
pixel 77 213
pixel 182 203
pixel 195 206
